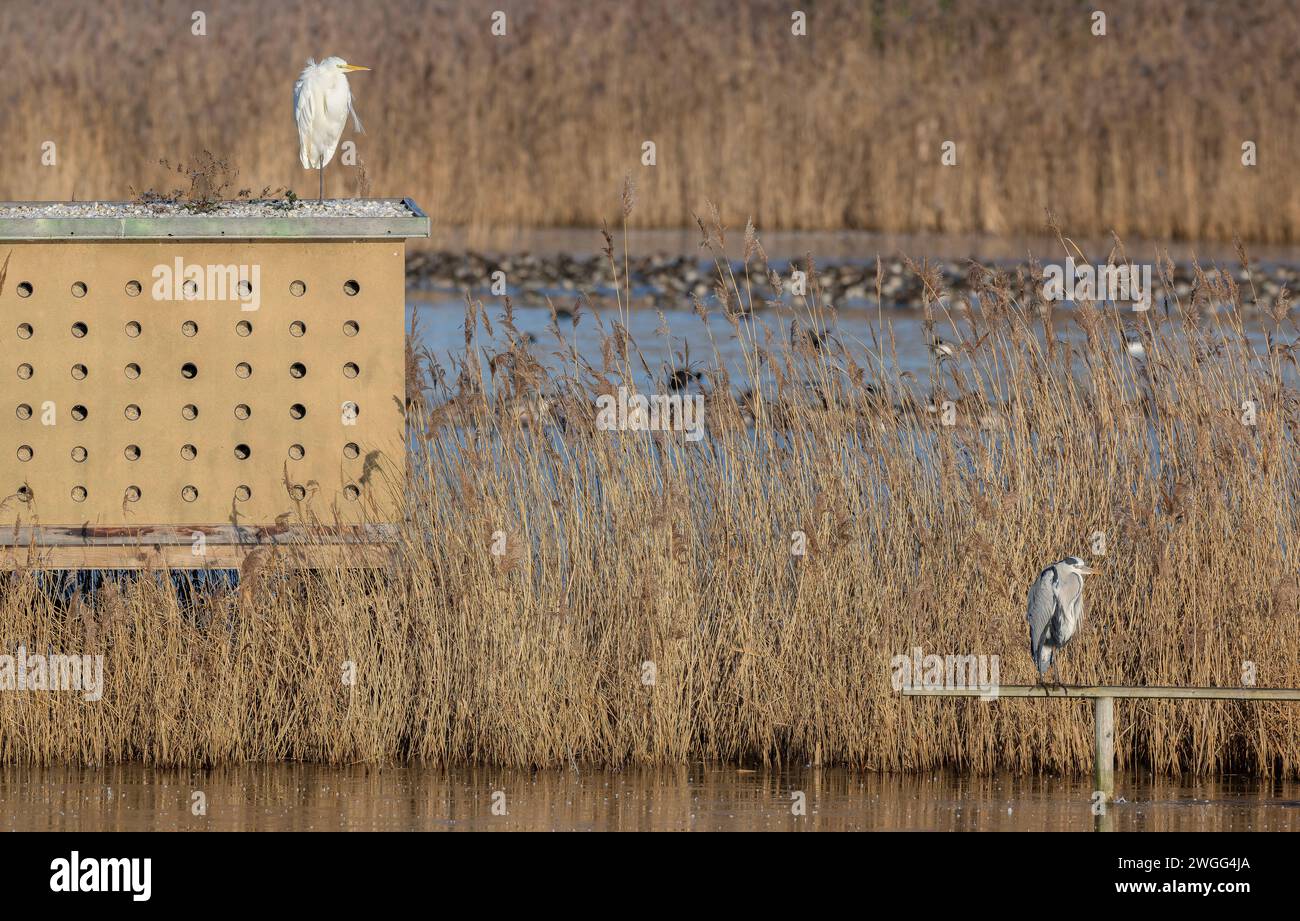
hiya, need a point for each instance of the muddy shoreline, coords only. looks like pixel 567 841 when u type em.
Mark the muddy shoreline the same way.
pixel 663 280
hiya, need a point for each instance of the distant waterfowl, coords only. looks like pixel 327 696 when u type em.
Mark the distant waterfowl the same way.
pixel 941 350
pixel 1134 346
pixel 681 378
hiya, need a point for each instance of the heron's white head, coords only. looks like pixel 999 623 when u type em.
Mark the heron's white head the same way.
pixel 340 65
pixel 1078 566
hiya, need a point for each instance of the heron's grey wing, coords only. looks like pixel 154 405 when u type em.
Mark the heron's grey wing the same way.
pixel 1042 609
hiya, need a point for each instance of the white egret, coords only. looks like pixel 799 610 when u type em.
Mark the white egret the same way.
pixel 322 102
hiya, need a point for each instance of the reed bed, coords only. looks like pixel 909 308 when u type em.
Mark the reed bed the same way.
pixel 1140 130
pixel 546 561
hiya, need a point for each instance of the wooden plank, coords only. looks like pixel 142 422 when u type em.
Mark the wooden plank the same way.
pixel 176 556
pixel 1068 692
pixel 87 535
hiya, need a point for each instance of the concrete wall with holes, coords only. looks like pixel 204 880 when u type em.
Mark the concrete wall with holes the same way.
pixel 125 405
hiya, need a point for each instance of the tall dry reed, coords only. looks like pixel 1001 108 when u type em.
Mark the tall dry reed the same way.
pixel 1140 131
pixel 550 567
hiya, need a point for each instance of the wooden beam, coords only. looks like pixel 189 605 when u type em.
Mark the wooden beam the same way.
pixel 1084 692
pixel 150 534
pixel 179 557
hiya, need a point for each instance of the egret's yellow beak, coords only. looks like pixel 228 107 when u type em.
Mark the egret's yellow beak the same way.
pixel 351 67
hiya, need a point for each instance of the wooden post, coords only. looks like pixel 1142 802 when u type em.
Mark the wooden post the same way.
pixel 1103 698
pixel 1104 756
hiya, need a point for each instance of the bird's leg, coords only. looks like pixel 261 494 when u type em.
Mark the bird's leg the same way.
pixel 321 177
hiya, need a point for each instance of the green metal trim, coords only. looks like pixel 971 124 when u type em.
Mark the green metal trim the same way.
pixel 213 227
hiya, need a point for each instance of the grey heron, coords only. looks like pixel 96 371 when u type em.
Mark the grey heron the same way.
pixel 322 102
pixel 1056 610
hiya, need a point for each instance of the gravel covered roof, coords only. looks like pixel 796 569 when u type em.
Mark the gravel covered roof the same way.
pixel 333 207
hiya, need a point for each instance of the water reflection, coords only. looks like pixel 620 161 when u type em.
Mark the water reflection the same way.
pixel 299 797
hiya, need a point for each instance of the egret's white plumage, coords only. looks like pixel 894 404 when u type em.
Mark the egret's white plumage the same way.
pixel 322 102
pixel 1056 609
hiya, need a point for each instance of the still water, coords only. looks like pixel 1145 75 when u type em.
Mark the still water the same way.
pixel 300 797
pixel 692 341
